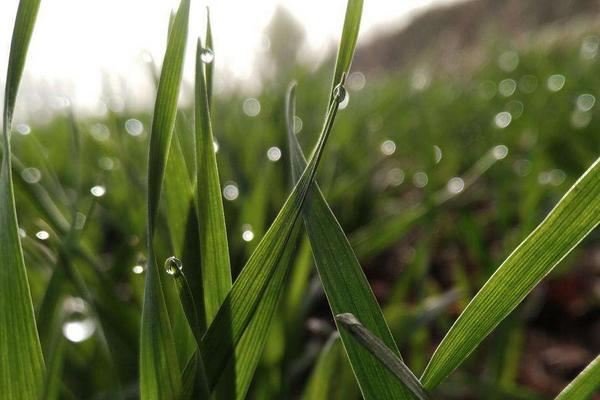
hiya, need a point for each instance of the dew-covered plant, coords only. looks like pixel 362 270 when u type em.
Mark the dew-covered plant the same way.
pixel 205 329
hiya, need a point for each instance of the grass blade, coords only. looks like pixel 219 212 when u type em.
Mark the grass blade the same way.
pixel 584 385
pixel 386 356
pixel 214 250
pixel 21 360
pixel 160 376
pixel 576 215
pixel 342 275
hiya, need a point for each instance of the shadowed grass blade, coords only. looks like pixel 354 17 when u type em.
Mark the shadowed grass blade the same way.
pixel 576 215
pixel 386 356
pixel 214 250
pixel 345 284
pixel 584 385
pixel 21 360
pixel 160 377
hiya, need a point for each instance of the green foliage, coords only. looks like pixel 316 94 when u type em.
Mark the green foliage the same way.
pixel 391 222
pixel 21 361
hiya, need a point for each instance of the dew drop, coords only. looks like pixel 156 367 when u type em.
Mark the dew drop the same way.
pixel 79 325
pixel 215 146
pixel 297 124
pixel 173 265
pixel 251 107
pixel 100 132
pixel 137 269
pixel 274 153
pixel 388 147
pixel 231 191
pixel 356 81
pixel 23 129
pixel 437 154
pixel 247 234
pixel 507 87
pixel 502 119
pixel 134 127
pixel 339 93
pixel 394 177
pixel 206 55
pixel 98 191
pixel 106 163
pixel 455 185
pixel 555 82
pixel 585 102
pixel 42 235
pixel 420 179
pixel 508 61
pixel 31 175
pixel 500 151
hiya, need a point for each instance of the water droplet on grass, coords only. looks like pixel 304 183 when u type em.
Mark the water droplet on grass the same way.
pixel 206 55
pixel 173 265
pixel 98 191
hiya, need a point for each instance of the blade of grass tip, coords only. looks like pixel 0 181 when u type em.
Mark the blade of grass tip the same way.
pixel 160 377
pixel 571 220
pixel 209 57
pixel 248 291
pixel 341 274
pixel 386 356
pixel 214 249
pixel 584 385
pixel 21 360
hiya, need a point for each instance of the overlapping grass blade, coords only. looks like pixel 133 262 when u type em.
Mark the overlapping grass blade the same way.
pixel 160 376
pixel 576 215
pixel 345 284
pixel 584 385
pixel 386 356
pixel 242 307
pixel 21 360
pixel 214 250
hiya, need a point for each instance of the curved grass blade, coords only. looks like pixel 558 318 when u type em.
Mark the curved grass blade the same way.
pixel 584 385
pixel 214 250
pixel 250 288
pixel 21 360
pixel 160 377
pixel 575 215
pixel 386 356
pixel 345 284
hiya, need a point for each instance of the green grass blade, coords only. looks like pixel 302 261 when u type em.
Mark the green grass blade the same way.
pixel 386 356
pixel 345 284
pixel 160 377
pixel 214 250
pixel 348 42
pixel 576 215
pixel 584 385
pixel 21 360
pixel 210 67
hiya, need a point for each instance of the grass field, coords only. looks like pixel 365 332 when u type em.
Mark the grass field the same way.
pixel 434 177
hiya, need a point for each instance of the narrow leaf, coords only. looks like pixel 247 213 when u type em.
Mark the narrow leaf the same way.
pixel 345 284
pixel 21 360
pixel 576 215
pixel 386 356
pixel 160 377
pixel 214 250
pixel 584 385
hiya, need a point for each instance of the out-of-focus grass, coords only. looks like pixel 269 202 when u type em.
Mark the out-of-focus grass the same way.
pixel 401 141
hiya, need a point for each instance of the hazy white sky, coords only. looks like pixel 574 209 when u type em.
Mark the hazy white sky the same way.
pixel 79 41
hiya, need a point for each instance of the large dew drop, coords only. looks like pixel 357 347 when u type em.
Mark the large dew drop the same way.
pixel 206 55
pixel 173 265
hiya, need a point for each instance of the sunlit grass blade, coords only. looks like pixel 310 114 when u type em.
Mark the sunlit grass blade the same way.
pixel 576 215
pixel 240 306
pixel 345 284
pixel 21 360
pixel 386 356
pixel 210 65
pixel 584 385
pixel 214 250
pixel 160 376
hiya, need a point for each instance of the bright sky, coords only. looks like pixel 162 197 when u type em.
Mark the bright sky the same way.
pixel 77 42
